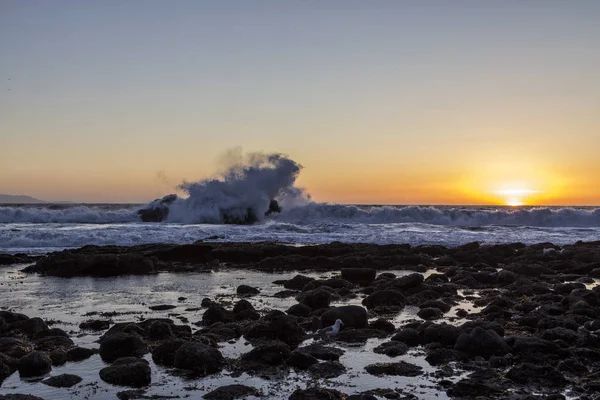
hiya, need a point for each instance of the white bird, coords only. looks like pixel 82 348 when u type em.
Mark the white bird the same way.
pixel 330 330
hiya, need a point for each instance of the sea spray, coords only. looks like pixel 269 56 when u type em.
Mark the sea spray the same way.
pixel 247 189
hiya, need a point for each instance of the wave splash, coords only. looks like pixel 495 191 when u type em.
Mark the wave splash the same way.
pixel 248 189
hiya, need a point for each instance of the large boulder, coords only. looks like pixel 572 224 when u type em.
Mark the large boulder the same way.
pixel 35 363
pixel 122 345
pixel 315 298
pixel 352 316
pixel 442 333
pixel 400 368
pixel 63 380
pixel 385 298
pixel 267 354
pixel 199 358
pixel 128 371
pixel 481 342
pixel 281 327
pixel 164 353
pixel 297 282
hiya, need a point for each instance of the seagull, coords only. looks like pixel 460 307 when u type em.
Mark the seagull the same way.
pixel 330 330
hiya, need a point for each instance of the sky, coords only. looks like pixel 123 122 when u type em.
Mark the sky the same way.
pixel 388 102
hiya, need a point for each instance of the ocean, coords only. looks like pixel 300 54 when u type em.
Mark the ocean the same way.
pixel 38 229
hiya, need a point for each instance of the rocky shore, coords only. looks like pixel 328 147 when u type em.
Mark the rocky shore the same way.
pixel 535 332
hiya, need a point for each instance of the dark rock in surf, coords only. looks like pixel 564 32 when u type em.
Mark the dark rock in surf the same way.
pixel 391 349
pixel 352 316
pixel 232 392
pixel 63 380
pixel 359 276
pixel 158 210
pixel 315 393
pixel 400 368
pixel 297 282
pixel 122 345
pixel 128 371
pixel 327 369
pixel 481 342
pixel 199 358
pixel 80 353
pixel 245 290
pixel 301 360
pixel 33 364
pixel 164 353
pixel 95 325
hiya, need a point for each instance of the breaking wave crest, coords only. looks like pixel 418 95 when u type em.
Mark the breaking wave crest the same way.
pixel 82 214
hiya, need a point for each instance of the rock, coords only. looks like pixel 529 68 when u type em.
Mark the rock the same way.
pixel 243 310
pixel 13 347
pixel 299 310
pixel 297 282
pixel 531 374
pixel 18 396
pixel 80 353
pixel 162 307
pixel 481 342
pixel 35 363
pixel 206 302
pixel 322 352
pixel 31 327
pixel 122 345
pixel 315 393
pixel 391 349
pixel 407 282
pixel 352 317
pixel 471 388
pixel 95 325
pixel 441 333
pixel 158 330
pixel 359 276
pixel 441 356
pixel 430 313
pixel 409 336
pixel 327 369
pixel 436 304
pixel 385 298
pixel 49 343
pixel 271 354
pixel 68 264
pixel 245 290
pixel 127 371
pixel 131 394
pixel 199 358
pixel 232 392
pixel 400 368
pixel 382 325
pixel 281 327
pixel 58 357
pixel 301 360
pixel 315 298
pixel 358 335
pixel 164 353
pixel 217 313
pixel 63 380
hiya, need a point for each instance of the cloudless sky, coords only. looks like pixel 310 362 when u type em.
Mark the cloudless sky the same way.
pixel 431 102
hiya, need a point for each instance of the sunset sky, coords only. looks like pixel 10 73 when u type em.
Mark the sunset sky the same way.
pixel 398 102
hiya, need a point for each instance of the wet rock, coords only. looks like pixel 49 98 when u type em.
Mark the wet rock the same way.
pixel 531 374
pixel 127 371
pixel 245 290
pixel 231 392
pixel 560 333
pixel 315 298
pixel 322 352
pixel 80 353
pixel 430 313
pixel 400 368
pixel 301 360
pixel 199 358
pixel 441 356
pixel 391 349
pixel 14 347
pixel 122 345
pixel 297 282
pixel 286 293
pixel 382 325
pixel 58 357
pixel 281 327
pixel 409 336
pixel 95 325
pixel 63 380
pixel 385 298
pixel 359 276
pixel 31 327
pixel 67 264
pixel 315 393
pixel 471 388
pixel 217 313
pixel 442 333
pixel 481 342
pixel 352 316
pixel 164 353
pixel 327 370
pixel 206 302
pixel 334 283
pixel 158 330
pixel 131 394
pixel 18 396
pixel 35 363
pixel 358 335
pixel 243 310
pixel 299 310
pixel 162 307
pixel 405 283
pixel 266 354
pixel 50 343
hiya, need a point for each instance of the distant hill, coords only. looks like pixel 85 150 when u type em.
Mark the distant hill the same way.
pixel 18 199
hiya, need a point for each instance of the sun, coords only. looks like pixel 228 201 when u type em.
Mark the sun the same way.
pixel 515 197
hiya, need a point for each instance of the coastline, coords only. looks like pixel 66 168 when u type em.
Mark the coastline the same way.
pixel 497 321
